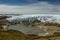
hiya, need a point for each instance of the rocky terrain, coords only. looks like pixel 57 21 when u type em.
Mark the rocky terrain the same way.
pixel 17 35
pixel 52 32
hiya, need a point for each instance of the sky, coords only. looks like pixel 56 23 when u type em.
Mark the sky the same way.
pixel 29 6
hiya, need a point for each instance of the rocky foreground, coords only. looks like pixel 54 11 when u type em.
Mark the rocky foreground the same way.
pixel 17 35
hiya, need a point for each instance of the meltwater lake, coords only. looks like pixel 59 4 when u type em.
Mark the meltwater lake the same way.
pixel 32 30
pixel 22 28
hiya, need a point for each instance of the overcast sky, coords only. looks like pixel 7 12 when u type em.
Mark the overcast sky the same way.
pixel 30 6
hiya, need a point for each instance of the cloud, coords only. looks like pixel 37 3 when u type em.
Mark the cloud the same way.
pixel 40 8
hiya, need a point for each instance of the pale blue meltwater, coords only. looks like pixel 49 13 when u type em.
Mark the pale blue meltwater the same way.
pixel 32 30
pixel 22 28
